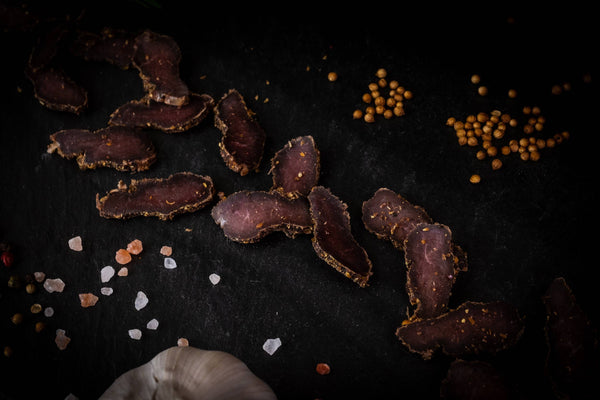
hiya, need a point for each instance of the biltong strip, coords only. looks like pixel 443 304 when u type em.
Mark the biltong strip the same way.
pixel 470 329
pixel 296 167
pixel 243 140
pixel 124 149
pixel 114 46
pixel 183 192
pixel 56 91
pixel 157 58
pixel 572 363
pixel 474 380
pixel 332 237
pixel 390 216
pixel 432 266
pixel 146 113
pixel 248 216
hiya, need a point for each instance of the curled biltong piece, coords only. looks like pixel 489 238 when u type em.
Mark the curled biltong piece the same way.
pixel 157 58
pixel 146 113
pixel 183 192
pixel 572 363
pixel 124 149
pixel 296 167
pixel 332 237
pixel 475 380
pixel 248 216
pixel 432 262
pixel 110 45
pixel 470 329
pixel 391 217
pixel 243 140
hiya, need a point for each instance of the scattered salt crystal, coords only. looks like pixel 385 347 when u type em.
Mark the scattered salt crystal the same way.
pixel 152 324
pixel 54 285
pixel 75 243
pixel 214 278
pixel 183 342
pixel 107 273
pixel 271 345
pixel 61 339
pixel 140 300
pixel 135 334
pixel 135 247
pixel 88 299
pixel 169 263
pixel 71 396
pixel 39 276
pixel 123 271
pixel 166 251
pixel 122 256
pixel 48 312
pixel 107 291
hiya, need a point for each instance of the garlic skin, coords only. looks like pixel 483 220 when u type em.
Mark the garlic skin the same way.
pixel 189 373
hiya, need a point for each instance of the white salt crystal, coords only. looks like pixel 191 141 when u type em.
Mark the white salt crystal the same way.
pixel 141 300
pixel 271 345
pixel 107 291
pixel 48 312
pixel 39 276
pixel 54 285
pixel 75 243
pixel 214 278
pixel 107 273
pixel 135 334
pixel 169 263
pixel 152 324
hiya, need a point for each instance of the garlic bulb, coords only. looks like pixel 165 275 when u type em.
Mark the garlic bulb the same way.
pixel 184 373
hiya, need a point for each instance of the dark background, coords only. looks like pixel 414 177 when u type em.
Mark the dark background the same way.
pixel 522 226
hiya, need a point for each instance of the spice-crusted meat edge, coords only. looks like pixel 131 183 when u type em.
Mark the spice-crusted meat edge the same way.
pixel 308 175
pixel 135 185
pixel 228 154
pixel 327 256
pixel 289 227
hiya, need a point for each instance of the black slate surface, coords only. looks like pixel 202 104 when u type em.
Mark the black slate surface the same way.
pixel 522 226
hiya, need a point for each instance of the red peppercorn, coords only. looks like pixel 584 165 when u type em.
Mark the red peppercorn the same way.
pixel 7 258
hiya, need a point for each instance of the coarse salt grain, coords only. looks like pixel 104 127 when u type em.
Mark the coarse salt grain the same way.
pixel 214 278
pixel 183 342
pixel 123 271
pixel 135 247
pixel 122 256
pixel 107 273
pixel 54 285
pixel 39 276
pixel 152 324
pixel 75 243
pixel 169 263
pixel 141 300
pixel 166 251
pixel 135 334
pixel 61 339
pixel 88 299
pixel 48 312
pixel 107 291
pixel 271 345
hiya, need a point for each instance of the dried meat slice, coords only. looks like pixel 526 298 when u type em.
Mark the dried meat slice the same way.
pixel 391 217
pixel 124 149
pixel 157 58
pixel 572 363
pixel 475 380
pixel 248 216
pixel 432 266
pixel 243 140
pixel 332 236
pixel 56 91
pixel 183 192
pixel 146 113
pixel 114 46
pixel 296 167
pixel 470 329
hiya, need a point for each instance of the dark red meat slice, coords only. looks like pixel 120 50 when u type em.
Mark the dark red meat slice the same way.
pixel 572 363
pixel 183 192
pixel 390 216
pixel 124 149
pixel 248 216
pixel 470 329
pixel 243 140
pixel 475 380
pixel 295 168
pixel 146 113
pixel 48 45
pixel 111 45
pixel 56 91
pixel 432 266
pixel 157 58
pixel 332 237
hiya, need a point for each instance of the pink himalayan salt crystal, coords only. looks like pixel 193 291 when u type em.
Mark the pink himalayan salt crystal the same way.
pixel 135 247
pixel 54 285
pixel 75 243
pixel 166 251
pixel 123 272
pixel 39 276
pixel 88 299
pixel 122 256
pixel 183 342
pixel 61 339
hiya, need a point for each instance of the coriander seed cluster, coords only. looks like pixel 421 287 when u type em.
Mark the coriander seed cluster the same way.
pixel 383 98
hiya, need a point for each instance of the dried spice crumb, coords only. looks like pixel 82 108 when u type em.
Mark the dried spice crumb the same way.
pixel 75 243
pixel 88 299
pixel 166 251
pixel 122 256
pixel 36 308
pixel 61 339
pixel 323 369
pixel 135 247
